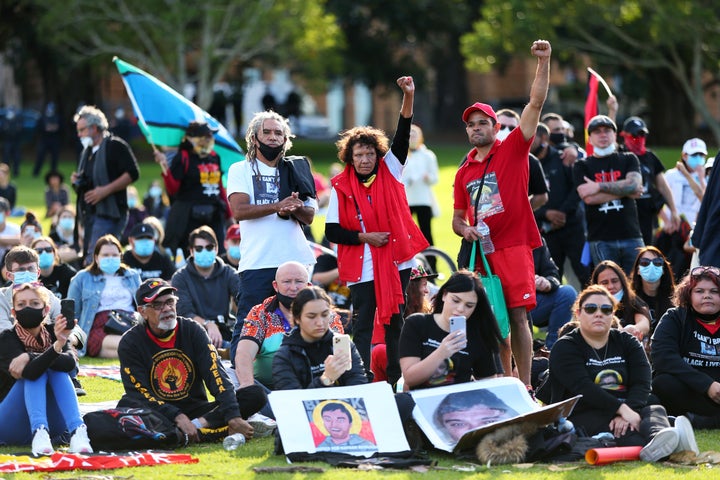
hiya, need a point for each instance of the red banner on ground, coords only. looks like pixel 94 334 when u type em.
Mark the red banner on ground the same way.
pixel 66 461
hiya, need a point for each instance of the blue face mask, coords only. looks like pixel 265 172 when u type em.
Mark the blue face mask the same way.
pixel 619 295
pixel 651 273
pixel 155 192
pixel 696 160
pixel 234 252
pixel 2 217
pixel 46 260
pixel 144 247
pixel 66 223
pixel 24 277
pixel 204 259
pixel 132 202
pixel 109 265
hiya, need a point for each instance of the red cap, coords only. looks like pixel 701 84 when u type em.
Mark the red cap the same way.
pixel 233 232
pixel 479 107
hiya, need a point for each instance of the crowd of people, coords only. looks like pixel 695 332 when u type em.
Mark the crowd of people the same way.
pixel 193 272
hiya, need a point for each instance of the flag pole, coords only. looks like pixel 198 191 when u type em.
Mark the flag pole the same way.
pixel 601 80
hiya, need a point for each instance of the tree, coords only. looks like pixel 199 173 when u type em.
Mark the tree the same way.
pixel 195 42
pixel 416 37
pixel 672 45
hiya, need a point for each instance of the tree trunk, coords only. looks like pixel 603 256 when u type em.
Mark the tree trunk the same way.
pixel 450 86
pixel 671 116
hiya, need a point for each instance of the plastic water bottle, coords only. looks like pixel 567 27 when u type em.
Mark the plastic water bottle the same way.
pixel 487 244
pixel 565 425
pixel 232 442
pixel 179 258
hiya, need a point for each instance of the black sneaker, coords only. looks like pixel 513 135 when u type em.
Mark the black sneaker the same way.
pixel 79 390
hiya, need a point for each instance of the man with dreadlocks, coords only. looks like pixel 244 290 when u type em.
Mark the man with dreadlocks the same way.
pixel 272 196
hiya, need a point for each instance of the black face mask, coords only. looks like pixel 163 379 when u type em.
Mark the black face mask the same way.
pixel 270 153
pixel 557 138
pixel 538 150
pixel 29 317
pixel 284 300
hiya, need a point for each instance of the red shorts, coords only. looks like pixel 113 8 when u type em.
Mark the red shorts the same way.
pixel 516 269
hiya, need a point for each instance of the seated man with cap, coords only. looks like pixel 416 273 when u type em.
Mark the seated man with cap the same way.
pixel 168 364
pixel 143 257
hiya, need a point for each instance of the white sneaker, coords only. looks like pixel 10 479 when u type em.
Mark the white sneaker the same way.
pixel 41 444
pixel 686 436
pixel 262 426
pixel 662 445
pixel 80 443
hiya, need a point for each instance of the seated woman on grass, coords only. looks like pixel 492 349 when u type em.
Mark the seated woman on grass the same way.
pixel 37 397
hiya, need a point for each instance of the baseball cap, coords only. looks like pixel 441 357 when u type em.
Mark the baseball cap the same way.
pixel 199 129
pixel 142 230
pixel 635 126
pixel 600 121
pixel 479 107
pixel 419 272
pixel 233 232
pixel 694 145
pixel 152 288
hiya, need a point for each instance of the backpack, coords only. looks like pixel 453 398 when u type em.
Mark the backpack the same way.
pixel 132 429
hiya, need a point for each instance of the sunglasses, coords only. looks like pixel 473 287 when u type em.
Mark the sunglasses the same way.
pixel 507 127
pixel 605 308
pixel 44 250
pixel 200 248
pixel 159 306
pixel 699 271
pixel 657 261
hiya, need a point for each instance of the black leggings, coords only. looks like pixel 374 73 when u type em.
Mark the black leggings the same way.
pixel 679 399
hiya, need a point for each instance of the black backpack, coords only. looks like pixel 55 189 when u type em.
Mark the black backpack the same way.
pixel 132 429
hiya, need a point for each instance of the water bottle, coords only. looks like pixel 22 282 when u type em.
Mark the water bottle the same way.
pixel 565 425
pixel 179 258
pixel 487 244
pixel 232 442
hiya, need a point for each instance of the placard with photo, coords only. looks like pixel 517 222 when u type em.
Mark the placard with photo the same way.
pixel 354 420
pixel 456 417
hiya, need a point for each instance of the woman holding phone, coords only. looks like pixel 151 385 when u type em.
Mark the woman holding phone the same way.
pixel 37 398
pixel 434 348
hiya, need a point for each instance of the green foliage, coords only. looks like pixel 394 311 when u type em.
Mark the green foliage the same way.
pixel 183 42
pixel 669 41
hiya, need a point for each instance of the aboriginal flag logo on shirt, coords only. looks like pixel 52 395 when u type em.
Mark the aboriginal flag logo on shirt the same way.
pixel 172 375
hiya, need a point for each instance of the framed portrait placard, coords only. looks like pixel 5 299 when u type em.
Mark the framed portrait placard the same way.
pixel 355 420
pixel 456 417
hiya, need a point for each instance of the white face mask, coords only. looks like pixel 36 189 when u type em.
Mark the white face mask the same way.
pixel 604 152
pixel 86 141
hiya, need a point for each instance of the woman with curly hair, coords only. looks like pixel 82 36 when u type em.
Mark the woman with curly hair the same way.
pixel 654 282
pixel 369 218
pixel 686 350
pixel 633 312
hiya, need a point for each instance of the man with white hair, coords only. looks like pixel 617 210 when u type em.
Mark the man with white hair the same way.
pixel 107 166
pixel 272 197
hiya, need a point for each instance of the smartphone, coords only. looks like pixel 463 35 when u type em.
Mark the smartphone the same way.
pixel 341 347
pixel 457 324
pixel 67 308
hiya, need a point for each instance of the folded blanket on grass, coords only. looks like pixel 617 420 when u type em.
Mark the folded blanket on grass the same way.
pixel 111 372
pixel 66 461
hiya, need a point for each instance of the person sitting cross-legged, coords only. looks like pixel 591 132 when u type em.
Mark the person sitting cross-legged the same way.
pixel 168 364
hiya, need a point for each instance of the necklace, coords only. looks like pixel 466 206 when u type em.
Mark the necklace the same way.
pixel 601 360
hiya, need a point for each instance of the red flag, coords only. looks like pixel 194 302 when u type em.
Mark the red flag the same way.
pixel 591 107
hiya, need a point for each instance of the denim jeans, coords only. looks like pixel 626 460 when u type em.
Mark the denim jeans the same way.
pixel 554 310
pixel 622 252
pixel 96 227
pixel 256 287
pixel 48 401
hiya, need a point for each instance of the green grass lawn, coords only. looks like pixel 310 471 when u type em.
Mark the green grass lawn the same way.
pixel 216 463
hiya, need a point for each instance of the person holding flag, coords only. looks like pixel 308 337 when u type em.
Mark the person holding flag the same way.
pixel 193 182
